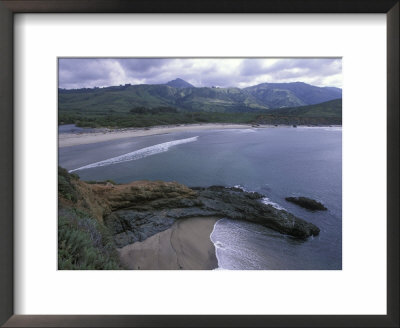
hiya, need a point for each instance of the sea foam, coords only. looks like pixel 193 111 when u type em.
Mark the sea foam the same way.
pixel 138 154
pixel 264 200
pixel 267 201
pixel 232 249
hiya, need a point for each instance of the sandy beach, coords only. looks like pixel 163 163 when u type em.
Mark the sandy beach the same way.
pixel 184 246
pixel 74 139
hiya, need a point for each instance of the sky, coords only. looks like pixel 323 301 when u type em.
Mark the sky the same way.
pixel 201 72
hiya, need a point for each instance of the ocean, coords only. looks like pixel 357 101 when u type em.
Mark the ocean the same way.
pixel 276 162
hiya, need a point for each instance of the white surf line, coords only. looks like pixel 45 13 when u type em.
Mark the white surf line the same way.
pixel 138 154
pixel 267 201
pixel 264 200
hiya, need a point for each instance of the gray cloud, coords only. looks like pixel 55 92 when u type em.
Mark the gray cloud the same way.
pixel 288 68
pixel 224 72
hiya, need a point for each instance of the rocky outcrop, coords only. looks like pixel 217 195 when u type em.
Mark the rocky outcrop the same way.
pixel 307 203
pixel 103 199
pixel 139 210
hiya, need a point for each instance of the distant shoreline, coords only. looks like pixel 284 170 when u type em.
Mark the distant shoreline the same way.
pixel 75 139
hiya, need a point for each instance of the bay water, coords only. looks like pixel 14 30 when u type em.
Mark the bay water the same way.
pixel 277 162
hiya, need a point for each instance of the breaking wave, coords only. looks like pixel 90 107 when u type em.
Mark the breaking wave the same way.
pixel 267 201
pixel 138 154
pixel 264 200
pixel 234 245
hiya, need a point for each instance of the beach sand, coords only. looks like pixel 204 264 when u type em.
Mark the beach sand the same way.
pixel 74 139
pixel 186 245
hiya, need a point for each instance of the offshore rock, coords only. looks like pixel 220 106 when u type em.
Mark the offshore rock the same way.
pixel 307 203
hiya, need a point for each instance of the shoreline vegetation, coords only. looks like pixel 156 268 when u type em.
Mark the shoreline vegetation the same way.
pixel 131 120
pixel 329 113
pixel 82 138
pixel 154 224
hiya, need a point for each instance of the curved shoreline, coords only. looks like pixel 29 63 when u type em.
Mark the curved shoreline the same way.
pixel 184 246
pixel 74 139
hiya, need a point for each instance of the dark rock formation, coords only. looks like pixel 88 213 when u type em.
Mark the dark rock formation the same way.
pixel 144 209
pixel 307 203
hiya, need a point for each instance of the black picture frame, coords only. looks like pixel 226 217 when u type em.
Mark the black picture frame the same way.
pixel 10 7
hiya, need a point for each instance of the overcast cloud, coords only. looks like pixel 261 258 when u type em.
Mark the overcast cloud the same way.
pixel 205 72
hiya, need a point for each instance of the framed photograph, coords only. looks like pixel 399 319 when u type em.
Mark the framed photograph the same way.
pixel 218 164
pixel 165 174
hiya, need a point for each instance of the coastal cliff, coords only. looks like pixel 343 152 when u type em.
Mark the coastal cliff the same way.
pixel 138 210
pixel 142 209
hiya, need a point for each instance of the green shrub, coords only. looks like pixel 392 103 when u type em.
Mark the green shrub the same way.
pixel 84 244
pixel 65 187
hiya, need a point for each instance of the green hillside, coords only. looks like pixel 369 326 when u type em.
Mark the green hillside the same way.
pixel 124 98
pixel 187 98
pixel 119 99
pixel 331 108
pixel 218 100
pixel 326 113
pixel 147 105
pixel 278 95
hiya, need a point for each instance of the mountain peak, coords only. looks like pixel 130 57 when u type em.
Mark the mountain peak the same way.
pixel 179 83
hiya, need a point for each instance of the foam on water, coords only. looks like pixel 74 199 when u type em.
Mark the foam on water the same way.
pixel 138 154
pixel 267 201
pixel 334 128
pixel 325 128
pixel 264 200
pixel 243 245
pixel 232 250
pixel 240 187
pixel 245 130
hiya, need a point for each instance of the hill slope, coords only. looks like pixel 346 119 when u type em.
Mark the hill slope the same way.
pixel 332 108
pixel 277 95
pixel 184 97
pixel 326 113
pixel 179 83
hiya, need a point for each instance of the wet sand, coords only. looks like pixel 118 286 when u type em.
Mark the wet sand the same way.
pixel 184 246
pixel 73 139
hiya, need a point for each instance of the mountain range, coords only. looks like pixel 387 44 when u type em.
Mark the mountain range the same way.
pixel 185 97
